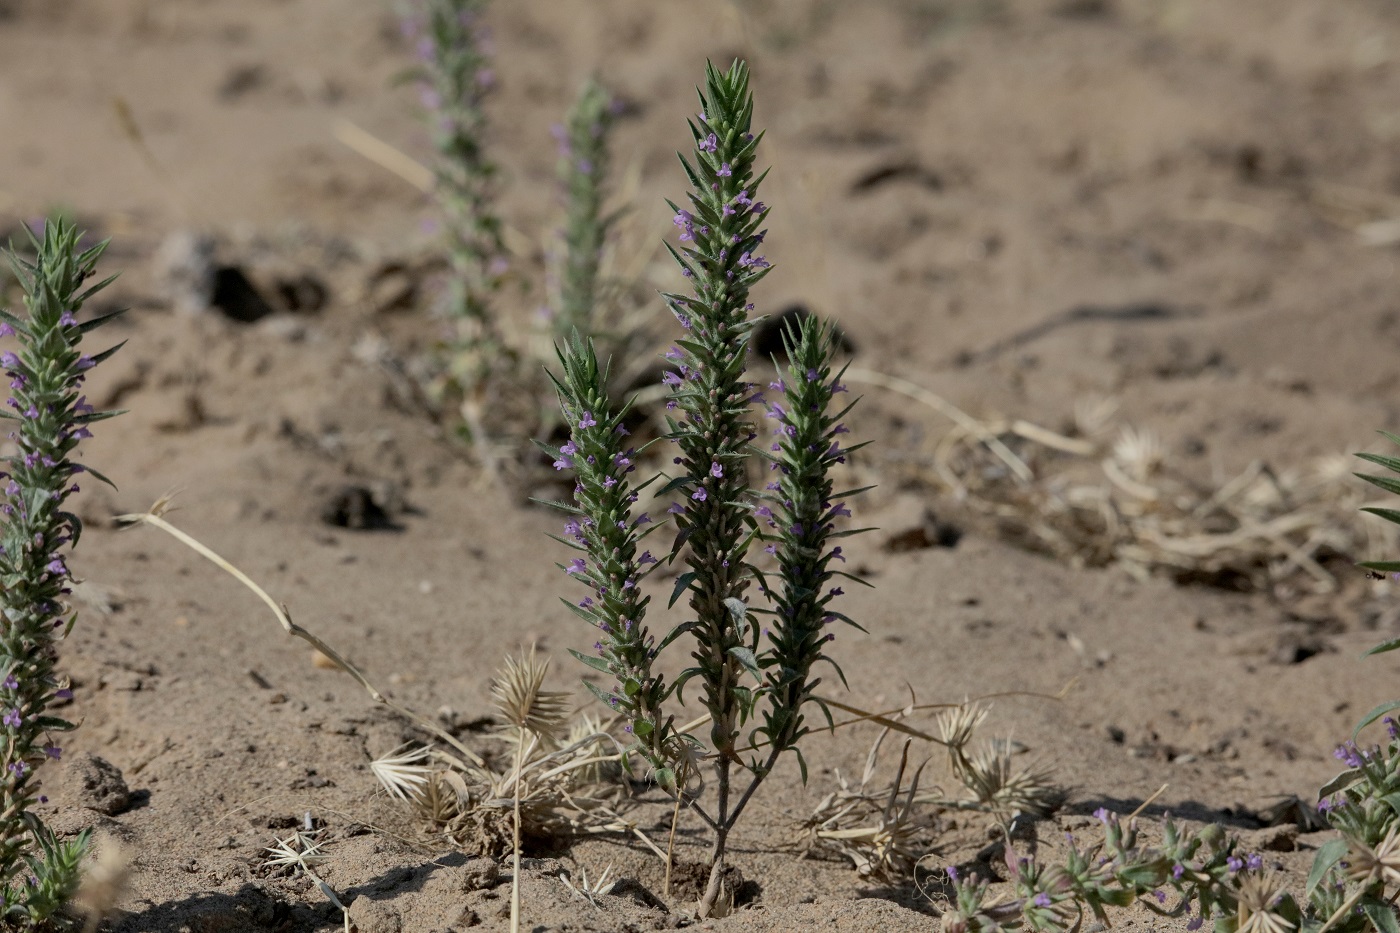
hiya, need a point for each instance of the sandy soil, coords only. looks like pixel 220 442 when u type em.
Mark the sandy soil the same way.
pixel 950 180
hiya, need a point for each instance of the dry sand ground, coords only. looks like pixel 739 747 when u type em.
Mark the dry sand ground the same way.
pixel 948 175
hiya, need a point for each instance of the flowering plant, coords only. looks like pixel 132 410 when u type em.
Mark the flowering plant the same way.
pixel 455 79
pixel 37 872
pixel 719 515
pixel 1352 887
pixel 583 169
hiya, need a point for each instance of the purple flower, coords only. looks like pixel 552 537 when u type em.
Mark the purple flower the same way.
pixel 675 509
pixel 709 143
pixel 55 566
pixel 1348 753
pixel 11 683
pixel 563 463
pixel 763 511
pixel 64 694
pixel 587 421
pixel 643 519
pixel 1177 871
pixel 952 873
pixel 53 751
pixel 1234 863
pixel 571 528
pixel 724 170
pixel 586 602
pixel 8 360
pixel 84 362
pixel 796 528
pixel 716 470
pixel 1102 815
pixel 671 379
pixel 699 495
pixel 19 768
pixel 645 559
pixel 841 510
pixel 6 330
pixel 837 591
pixel 66 319
pixel 1254 862
pixel 1195 923
pixel 771 549
pixel 1041 900
pixel 11 718
pixel 576 565
pixel 569 449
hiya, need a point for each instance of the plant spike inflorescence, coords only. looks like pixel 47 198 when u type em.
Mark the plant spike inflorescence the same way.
pixel 583 170
pixel 801 517
pixel 456 78
pixel 37 872
pixel 719 516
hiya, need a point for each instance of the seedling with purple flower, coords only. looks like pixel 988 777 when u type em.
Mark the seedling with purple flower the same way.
pixel 738 663
pixel 38 873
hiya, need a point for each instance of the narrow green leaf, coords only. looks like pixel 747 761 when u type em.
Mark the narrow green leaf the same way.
pixel 1390 515
pixel 1384 482
pixel 1339 782
pixel 1383 647
pixel 682 582
pixel 746 658
pixel 598 664
pixel 1373 715
pixel 1390 463
pixel 1381 915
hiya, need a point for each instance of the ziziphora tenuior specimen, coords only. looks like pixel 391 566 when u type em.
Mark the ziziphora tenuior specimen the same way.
pixel 38 873
pixel 604 530
pixel 719 514
pixel 456 77
pixel 583 169
pixel 802 515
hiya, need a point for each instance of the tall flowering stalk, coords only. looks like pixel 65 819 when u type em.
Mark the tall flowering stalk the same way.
pixel 718 517
pixel 612 564
pixel 802 514
pixel 456 78
pixel 720 236
pixel 583 171
pixel 37 872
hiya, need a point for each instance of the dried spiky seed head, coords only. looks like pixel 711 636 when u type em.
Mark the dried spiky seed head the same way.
pixel 957 725
pixel 403 774
pixel 1139 452
pixel 1259 894
pixel 523 701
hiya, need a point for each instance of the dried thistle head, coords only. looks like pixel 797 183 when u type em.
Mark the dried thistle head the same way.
pixel 104 882
pixel 1138 452
pixel 957 725
pixel 403 774
pixel 1259 895
pixel 1092 416
pixel 298 851
pixel 520 696
pixel 1004 789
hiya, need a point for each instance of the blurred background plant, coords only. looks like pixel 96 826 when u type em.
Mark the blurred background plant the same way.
pixel 455 78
